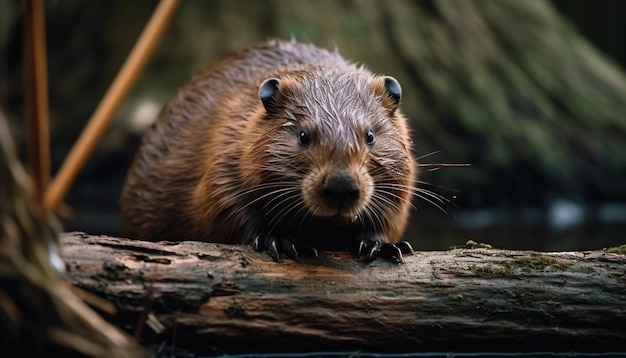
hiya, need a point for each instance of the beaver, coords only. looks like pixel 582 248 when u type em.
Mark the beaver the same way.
pixel 283 145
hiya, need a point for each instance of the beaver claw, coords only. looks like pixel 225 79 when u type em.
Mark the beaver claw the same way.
pixel 369 250
pixel 366 250
pixel 277 248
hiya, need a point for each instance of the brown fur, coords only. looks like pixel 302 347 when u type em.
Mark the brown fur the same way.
pixel 219 166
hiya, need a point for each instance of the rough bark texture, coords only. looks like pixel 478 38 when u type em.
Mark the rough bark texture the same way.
pixel 221 297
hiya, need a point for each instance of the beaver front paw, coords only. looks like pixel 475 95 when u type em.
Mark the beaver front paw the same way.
pixel 277 248
pixel 368 249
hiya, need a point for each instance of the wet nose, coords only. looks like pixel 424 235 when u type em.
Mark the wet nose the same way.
pixel 342 187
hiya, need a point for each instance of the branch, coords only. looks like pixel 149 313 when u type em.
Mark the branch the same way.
pixel 232 298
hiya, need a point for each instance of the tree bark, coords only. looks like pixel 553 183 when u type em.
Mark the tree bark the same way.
pixel 229 298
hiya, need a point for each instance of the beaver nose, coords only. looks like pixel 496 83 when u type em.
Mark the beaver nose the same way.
pixel 341 186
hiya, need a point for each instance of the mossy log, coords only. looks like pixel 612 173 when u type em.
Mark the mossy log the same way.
pixel 229 298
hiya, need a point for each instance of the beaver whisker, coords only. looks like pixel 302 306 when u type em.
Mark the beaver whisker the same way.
pixel 273 192
pixel 442 199
pixel 404 188
pixel 429 196
pixel 302 217
pixel 277 219
pixel 375 210
pixel 384 173
pixel 397 186
pixel 291 202
pixel 441 165
pixel 283 197
pixel 262 187
pixel 384 198
pixel 400 198
pixel 428 155
pixel 369 218
pixel 294 195
pixel 433 167
pixel 437 186
pixel 286 186
pixel 417 195
pixel 359 218
pixel 433 198
pixel 414 189
pixel 364 159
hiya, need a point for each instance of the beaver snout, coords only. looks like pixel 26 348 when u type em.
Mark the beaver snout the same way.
pixel 336 193
pixel 341 187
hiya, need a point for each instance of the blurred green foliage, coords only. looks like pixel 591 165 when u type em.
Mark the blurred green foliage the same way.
pixel 511 87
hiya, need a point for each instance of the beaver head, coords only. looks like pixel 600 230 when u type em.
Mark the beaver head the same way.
pixel 331 145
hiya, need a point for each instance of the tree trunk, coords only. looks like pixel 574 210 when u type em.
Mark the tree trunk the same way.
pixel 229 298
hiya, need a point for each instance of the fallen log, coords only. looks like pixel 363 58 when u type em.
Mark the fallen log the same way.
pixel 215 297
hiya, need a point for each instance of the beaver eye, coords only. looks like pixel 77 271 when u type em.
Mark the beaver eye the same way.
pixel 304 139
pixel 370 139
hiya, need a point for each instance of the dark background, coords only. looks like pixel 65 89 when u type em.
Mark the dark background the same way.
pixel 532 94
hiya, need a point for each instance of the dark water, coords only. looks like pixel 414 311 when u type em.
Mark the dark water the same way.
pixel 562 227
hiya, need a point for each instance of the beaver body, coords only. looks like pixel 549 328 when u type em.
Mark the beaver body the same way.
pixel 283 144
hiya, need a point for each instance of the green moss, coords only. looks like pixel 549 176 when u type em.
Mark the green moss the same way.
pixel 524 263
pixel 617 249
pixel 492 270
pixel 539 262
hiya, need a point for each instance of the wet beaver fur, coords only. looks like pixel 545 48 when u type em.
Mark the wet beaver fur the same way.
pixel 284 145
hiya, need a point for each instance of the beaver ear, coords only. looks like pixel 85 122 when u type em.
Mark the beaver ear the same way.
pixel 267 92
pixel 394 91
